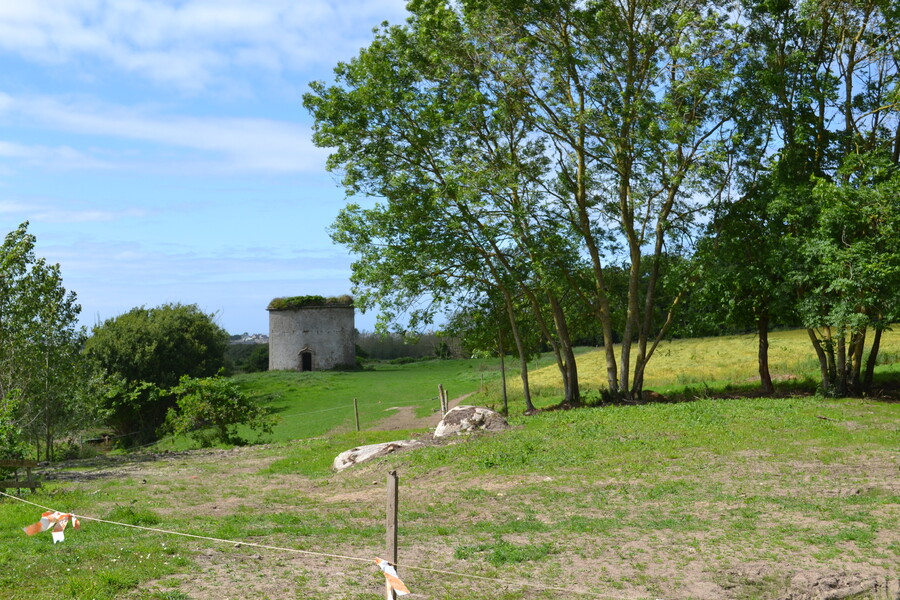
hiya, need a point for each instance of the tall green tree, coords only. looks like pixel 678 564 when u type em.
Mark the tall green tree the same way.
pixel 417 121
pixel 145 352
pixel 829 72
pixel 42 374
pixel 553 135
pixel 634 96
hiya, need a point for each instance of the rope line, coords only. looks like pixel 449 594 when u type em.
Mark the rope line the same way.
pixel 199 537
pixel 323 554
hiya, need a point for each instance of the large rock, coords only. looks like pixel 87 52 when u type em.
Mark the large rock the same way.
pixel 354 456
pixel 464 419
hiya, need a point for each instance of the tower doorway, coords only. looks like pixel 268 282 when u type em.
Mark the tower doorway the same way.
pixel 306 361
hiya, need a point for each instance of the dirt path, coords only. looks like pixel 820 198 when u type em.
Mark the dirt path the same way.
pixel 404 417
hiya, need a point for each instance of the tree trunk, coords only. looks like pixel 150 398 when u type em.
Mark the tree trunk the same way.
pixel 569 366
pixel 526 388
pixel 857 345
pixel 762 328
pixel 823 360
pixel 48 442
pixel 895 154
pixel 646 320
pixel 842 363
pixel 870 363
pixel 584 224
pixel 503 371
pixel 631 321
pixel 520 348
pixel 641 367
pixel 828 341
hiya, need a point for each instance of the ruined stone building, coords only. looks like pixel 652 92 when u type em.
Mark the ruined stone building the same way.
pixel 311 333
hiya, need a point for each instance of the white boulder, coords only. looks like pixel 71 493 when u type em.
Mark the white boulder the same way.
pixel 355 456
pixel 465 419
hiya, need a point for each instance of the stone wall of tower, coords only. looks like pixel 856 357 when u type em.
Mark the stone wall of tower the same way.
pixel 325 333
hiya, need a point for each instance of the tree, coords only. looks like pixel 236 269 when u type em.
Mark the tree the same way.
pixel 634 97
pixel 146 351
pixel 42 376
pixel 856 247
pixel 829 73
pixel 258 359
pixel 526 141
pixel 742 279
pixel 211 409
pixel 415 123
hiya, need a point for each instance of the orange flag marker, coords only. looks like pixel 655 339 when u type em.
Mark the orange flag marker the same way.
pixel 390 573
pixel 54 519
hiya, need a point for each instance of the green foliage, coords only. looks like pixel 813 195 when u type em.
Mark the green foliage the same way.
pixel 211 408
pixel 520 151
pixel 145 351
pixel 246 358
pixel 12 444
pixel 42 375
pixel 298 302
pixel 258 359
pixel 390 346
pixel 159 345
pixel 132 409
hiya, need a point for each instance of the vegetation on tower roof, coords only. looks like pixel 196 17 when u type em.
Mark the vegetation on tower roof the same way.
pixel 297 302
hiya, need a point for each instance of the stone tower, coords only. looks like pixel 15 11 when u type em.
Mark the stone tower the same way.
pixel 311 333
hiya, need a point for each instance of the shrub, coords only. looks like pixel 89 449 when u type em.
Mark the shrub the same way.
pixel 145 351
pixel 296 302
pixel 211 408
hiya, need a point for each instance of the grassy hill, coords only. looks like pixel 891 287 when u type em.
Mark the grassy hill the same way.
pixel 719 363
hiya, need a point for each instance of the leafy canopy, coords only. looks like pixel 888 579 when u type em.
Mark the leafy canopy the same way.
pixel 149 349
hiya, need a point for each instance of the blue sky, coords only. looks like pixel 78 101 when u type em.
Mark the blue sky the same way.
pixel 161 152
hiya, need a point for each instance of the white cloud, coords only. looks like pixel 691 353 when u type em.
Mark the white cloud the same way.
pixel 46 211
pixel 61 157
pixel 191 44
pixel 234 144
pixel 13 207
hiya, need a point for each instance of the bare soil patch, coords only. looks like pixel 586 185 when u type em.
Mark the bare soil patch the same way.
pixel 404 417
pixel 631 546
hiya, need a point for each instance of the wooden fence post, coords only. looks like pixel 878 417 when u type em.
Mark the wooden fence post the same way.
pixel 441 398
pixel 356 413
pixel 391 528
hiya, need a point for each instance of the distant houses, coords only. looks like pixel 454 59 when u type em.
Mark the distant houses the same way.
pixel 249 338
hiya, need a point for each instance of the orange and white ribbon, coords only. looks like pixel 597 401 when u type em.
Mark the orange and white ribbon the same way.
pixel 390 573
pixel 55 519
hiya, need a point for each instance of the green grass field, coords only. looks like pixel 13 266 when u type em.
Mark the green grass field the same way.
pixel 719 363
pixel 314 404
pixel 742 499
pixel 311 404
